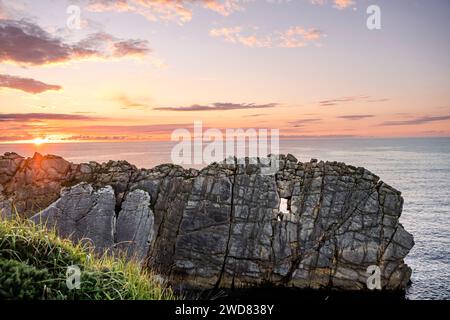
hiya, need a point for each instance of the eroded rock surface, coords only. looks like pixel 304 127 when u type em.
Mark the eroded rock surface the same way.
pixel 222 227
pixel 6 207
pixel 134 226
pixel 83 214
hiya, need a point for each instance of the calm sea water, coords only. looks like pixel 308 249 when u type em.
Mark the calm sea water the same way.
pixel 420 168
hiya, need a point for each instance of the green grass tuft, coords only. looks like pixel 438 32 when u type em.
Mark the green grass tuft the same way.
pixel 34 261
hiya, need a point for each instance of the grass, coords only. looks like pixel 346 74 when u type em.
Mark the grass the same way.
pixel 34 262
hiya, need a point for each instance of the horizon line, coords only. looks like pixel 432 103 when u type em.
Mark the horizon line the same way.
pixel 166 140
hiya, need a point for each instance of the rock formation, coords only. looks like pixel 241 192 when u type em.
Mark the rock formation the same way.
pixel 83 214
pixel 222 226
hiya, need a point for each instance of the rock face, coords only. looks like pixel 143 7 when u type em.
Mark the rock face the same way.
pixel 32 183
pixel 134 226
pixel 6 208
pixel 223 226
pixel 83 214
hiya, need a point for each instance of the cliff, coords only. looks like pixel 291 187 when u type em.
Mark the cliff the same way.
pixel 313 225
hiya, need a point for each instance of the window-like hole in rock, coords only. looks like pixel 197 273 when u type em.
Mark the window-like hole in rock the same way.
pixel 285 205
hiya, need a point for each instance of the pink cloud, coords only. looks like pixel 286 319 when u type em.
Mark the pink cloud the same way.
pixel 299 37
pixel 26 43
pixel 293 37
pixel 339 4
pixel 167 10
pixel 26 84
pixel 342 4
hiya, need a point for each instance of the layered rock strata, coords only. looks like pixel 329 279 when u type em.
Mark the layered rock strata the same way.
pixel 309 225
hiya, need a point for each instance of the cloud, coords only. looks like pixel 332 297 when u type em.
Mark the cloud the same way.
pixel 26 43
pixel 42 107
pixel 23 117
pixel 127 103
pixel 153 10
pixel 179 11
pixel 225 7
pixel 357 117
pixel 256 115
pixel 301 122
pixel 130 47
pixel 338 4
pixel 297 37
pixel 234 35
pixel 294 37
pixel 141 128
pixel 336 101
pixel 31 126
pixel 342 4
pixel 230 34
pixel 219 106
pixel 105 45
pixel 94 138
pixel 10 138
pixel 436 133
pixel 26 84
pixel 254 41
pixel 377 100
pixel 326 136
pixel 18 126
pixel 416 121
pixel 318 2
pixel 126 132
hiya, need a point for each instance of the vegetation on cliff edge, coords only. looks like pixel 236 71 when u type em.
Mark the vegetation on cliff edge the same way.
pixel 34 263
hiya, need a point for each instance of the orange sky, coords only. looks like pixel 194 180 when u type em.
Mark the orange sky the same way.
pixel 140 70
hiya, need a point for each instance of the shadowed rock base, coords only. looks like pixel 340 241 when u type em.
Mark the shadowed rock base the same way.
pixel 283 294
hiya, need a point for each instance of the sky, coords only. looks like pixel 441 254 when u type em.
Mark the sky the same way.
pixel 100 70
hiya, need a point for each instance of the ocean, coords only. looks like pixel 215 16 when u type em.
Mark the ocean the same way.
pixel 418 167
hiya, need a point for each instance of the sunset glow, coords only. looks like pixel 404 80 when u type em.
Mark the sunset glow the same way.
pixel 139 70
pixel 39 141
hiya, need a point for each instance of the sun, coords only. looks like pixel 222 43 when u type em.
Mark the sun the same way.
pixel 39 141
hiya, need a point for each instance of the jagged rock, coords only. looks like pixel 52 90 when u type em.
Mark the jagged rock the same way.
pixel 35 183
pixel 6 208
pixel 134 226
pixel 9 164
pixel 223 226
pixel 32 183
pixel 83 214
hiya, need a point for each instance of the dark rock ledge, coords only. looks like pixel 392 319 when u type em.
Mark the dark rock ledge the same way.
pixel 313 225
